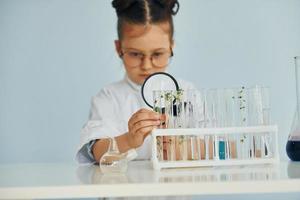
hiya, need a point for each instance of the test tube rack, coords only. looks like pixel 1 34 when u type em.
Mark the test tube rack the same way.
pixel 235 173
pixel 263 132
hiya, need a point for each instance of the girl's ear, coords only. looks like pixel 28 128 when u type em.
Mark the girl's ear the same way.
pixel 118 47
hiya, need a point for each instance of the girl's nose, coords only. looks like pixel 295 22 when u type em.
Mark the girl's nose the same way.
pixel 147 63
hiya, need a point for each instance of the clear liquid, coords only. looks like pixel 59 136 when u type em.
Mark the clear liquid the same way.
pixel 113 162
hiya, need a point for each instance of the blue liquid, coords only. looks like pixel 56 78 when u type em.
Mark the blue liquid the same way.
pixel 222 150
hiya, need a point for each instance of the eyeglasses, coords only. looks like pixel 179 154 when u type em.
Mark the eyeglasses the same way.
pixel 133 58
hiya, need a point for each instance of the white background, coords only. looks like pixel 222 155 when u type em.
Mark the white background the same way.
pixel 54 55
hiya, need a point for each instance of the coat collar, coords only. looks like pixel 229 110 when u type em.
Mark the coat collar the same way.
pixel 133 85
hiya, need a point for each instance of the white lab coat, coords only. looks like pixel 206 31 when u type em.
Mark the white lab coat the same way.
pixel 110 111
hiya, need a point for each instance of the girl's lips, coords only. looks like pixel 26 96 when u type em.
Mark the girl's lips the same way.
pixel 145 75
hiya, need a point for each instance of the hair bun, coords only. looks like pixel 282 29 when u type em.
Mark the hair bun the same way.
pixel 172 5
pixel 121 5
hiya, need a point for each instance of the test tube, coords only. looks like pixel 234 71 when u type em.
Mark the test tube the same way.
pixel 230 121
pixel 159 147
pixel 251 146
pixel 171 152
pixel 258 153
pixel 202 147
pixel 199 150
pixel 165 148
pixel 211 118
pixel 206 144
pixel 243 147
pixel 211 147
pixel 178 148
pixel 184 147
pixel 157 107
pixel 266 141
pixel 233 148
pixel 193 148
pixel 259 110
pixel 227 144
pixel 190 148
pixel 180 122
pixel 216 147
pixel 222 148
pixel 164 125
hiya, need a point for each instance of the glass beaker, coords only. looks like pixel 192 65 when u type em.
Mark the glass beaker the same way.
pixel 293 143
pixel 113 161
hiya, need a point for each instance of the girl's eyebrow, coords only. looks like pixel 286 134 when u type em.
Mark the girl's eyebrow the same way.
pixel 134 49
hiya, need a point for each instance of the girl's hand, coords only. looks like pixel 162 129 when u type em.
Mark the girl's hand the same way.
pixel 140 126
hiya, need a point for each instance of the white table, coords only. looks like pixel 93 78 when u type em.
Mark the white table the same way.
pixel 31 181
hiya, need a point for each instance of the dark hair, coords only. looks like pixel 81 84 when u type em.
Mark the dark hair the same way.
pixel 143 12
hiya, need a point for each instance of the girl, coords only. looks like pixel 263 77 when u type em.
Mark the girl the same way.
pixel 145 45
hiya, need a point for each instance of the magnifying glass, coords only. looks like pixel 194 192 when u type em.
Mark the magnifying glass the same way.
pixel 157 81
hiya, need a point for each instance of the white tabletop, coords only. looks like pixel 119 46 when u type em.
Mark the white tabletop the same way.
pixel 29 181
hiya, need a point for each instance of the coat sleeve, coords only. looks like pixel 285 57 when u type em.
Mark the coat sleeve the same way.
pixel 102 123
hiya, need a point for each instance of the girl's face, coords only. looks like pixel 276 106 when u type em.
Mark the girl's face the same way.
pixel 144 50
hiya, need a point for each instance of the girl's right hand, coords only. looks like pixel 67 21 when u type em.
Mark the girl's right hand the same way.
pixel 140 126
